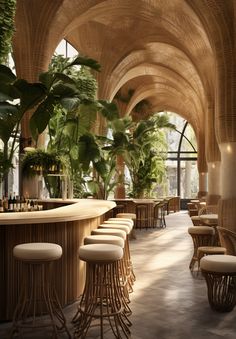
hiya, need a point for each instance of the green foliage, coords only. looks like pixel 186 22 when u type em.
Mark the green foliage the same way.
pixel 7 14
pixel 17 96
pixel 143 148
pixel 40 162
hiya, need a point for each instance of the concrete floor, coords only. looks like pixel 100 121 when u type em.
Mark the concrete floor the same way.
pixel 168 302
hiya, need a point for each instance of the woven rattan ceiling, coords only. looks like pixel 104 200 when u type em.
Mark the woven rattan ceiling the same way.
pixel 164 51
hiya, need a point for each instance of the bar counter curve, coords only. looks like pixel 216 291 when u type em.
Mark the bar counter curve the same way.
pixel 66 226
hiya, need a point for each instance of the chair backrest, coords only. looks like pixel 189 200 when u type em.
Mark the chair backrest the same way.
pixel 227 240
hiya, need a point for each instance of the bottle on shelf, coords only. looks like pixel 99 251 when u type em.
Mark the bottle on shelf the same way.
pixel 1 206
pixel 10 204
pixel 5 203
pixel 14 202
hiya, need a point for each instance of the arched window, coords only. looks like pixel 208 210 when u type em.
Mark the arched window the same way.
pixel 181 163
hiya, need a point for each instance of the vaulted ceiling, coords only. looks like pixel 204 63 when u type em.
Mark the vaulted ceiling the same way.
pixel 163 51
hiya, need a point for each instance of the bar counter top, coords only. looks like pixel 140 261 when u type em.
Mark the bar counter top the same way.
pixel 76 209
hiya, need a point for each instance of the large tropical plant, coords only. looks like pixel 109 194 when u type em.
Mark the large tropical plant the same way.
pixel 143 148
pixel 17 96
pixel 69 123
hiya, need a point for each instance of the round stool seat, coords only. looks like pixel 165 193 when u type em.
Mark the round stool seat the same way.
pixel 116 226
pixel 37 251
pixel 126 215
pixel 109 231
pixel 195 217
pixel 104 239
pixel 201 230
pixel 100 252
pixel 219 263
pixel 130 221
pixel 119 222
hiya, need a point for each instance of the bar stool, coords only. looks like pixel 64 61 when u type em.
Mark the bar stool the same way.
pixel 129 216
pixel 114 240
pixel 131 221
pixel 201 236
pixel 101 298
pixel 37 292
pixel 127 256
pixel 118 209
pixel 119 222
pixel 219 272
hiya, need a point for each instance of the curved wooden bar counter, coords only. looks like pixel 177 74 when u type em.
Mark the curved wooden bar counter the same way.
pixel 66 226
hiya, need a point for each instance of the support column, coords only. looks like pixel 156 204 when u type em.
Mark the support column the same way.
pixel 227 205
pixel 203 183
pixel 213 182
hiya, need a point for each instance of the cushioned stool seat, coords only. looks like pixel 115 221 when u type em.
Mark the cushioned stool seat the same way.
pixel 114 240
pixel 220 274
pixel 122 219
pixel 124 228
pixel 201 236
pixel 126 215
pixel 38 296
pixel 196 220
pixel 102 295
pixel 109 231
pixel 119 222
pixel 37 251
pixel 104 239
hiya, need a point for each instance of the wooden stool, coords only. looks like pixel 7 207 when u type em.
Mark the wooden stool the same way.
pixel 37 293
pixel 102 295
pixel 129 216
pixel 159 214
pixel 201 236
pixel 118 209
pixel 118 241
pixel 127 256
pixel 220 274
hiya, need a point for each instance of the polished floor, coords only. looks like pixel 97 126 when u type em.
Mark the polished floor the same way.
pixel 168 302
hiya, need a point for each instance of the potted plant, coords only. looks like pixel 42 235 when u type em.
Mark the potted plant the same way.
pixel 49 165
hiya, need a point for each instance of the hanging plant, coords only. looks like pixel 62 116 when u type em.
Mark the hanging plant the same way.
pixel 7 14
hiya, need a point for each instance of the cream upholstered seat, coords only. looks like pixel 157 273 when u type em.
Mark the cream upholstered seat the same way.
pixel 119 222
pixel 124 228
pixel 104 239
pixel 201 236
pixel 99 252
pixel 220 274
pixel 122 219
pixel 126 215
pixel 102 295
pixel 127 256
pixel 114 240
pixel 37 251
pixel 38 296
pixel 110 231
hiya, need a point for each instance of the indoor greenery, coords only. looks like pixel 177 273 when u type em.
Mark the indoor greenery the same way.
pixel 7 14
pixel 49 165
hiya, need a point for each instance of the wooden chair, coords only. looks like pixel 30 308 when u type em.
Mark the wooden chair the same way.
pixel 227 239
pixel 159 212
